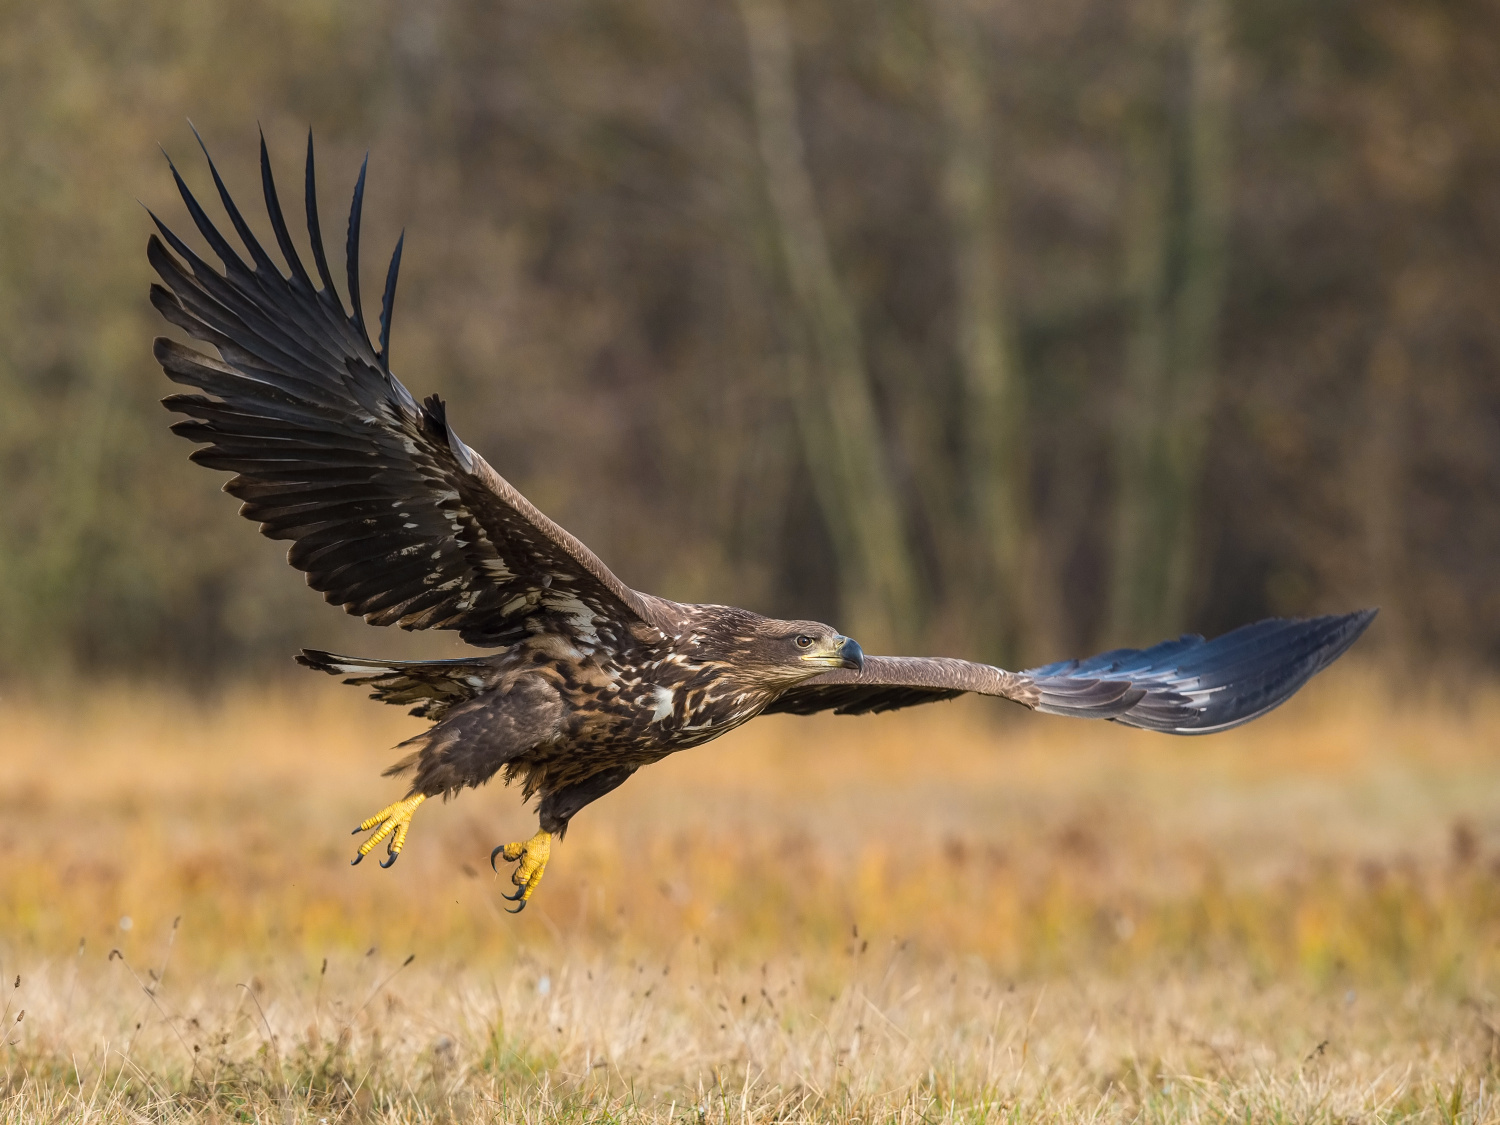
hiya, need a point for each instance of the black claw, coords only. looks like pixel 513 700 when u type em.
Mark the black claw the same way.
pixel 515 897
pixel 493 854
pixel 518 909
pixel 391 858
pixel 357 831
pixel 355 861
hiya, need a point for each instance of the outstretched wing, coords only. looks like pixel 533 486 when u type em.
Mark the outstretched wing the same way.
pixel 1186 686
pixel 390 515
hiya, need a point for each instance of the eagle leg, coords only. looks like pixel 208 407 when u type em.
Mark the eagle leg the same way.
pixel 532 855
pixel 393 821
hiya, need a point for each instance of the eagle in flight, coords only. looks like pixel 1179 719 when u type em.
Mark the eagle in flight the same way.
pixel 585 680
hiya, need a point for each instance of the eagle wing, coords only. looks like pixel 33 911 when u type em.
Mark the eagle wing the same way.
pixel 389 513
pixel 1186 686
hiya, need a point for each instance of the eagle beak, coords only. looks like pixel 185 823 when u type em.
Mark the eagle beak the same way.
pixel 843 653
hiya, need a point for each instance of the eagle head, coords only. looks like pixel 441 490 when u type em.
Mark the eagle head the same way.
pixel 779 654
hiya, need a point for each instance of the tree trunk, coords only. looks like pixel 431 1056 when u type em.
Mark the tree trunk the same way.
pixel 1379 485
pixel 1137 587
pixel 828 385
pixel 1012 595
pixel 1175 265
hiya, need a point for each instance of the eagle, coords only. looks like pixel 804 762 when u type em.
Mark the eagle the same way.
pixel 577 680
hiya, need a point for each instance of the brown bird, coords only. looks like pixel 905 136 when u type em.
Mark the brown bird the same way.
pixel 393 517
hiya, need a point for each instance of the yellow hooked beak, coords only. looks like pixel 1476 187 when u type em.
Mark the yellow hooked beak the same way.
pixel 844 652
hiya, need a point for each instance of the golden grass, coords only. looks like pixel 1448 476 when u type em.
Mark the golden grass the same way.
pixel 962 912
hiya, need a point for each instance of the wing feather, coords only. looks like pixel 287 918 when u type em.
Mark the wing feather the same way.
pixel 1185 686
pixel 389 513
pixel 890 682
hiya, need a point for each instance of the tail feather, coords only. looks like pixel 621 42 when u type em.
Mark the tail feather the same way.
pixel 434 686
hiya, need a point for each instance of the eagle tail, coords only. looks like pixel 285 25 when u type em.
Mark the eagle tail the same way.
pixel 434 686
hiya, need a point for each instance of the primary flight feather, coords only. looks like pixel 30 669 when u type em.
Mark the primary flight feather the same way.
pixel 393 517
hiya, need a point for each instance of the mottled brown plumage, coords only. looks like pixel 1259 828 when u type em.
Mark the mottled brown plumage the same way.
pixel 394 518
pixel 555 710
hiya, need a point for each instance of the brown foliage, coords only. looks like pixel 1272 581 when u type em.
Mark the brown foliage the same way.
pixel 594 278
pixel 831 920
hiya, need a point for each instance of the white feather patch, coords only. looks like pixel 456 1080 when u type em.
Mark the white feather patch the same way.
pixel 663 709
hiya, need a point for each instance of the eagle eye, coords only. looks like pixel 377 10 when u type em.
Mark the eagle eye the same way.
pixel 804 641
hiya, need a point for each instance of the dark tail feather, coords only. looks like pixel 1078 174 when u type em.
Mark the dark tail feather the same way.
pixel 433 685
pixel 1193 686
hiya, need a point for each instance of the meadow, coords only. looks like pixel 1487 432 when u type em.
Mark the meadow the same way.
pixel 959 913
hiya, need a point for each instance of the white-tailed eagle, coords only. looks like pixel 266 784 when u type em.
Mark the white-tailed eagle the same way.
pixel 584 680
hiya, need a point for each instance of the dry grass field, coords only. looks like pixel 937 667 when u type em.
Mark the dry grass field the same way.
pixel 958 913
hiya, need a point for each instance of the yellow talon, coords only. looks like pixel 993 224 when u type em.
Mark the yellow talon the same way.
pixel 533 855
pixel 391 819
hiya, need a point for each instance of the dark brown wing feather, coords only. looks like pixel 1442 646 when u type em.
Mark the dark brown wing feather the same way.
pixel 889 682
pixel 1186 686
pixel 390 515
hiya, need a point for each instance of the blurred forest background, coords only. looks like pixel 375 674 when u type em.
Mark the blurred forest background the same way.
pixel 997 328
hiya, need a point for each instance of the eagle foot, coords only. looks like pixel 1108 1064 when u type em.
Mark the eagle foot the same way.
pixel 533 855
pixel 393 821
